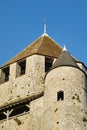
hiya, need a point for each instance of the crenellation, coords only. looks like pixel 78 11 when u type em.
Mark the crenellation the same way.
pixel 22 86
pixel 35 66
pixel 12 72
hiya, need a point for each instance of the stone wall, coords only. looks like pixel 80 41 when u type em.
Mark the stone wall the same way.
pixel 71 112
pixel 21 122
pixel 36 111
pixel 27 85
pixel 31 120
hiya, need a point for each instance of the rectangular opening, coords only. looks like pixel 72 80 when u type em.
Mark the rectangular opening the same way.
pixel 21 68
pixel 48 63
pixel 19 110
pixel 60 96
pixel 5 74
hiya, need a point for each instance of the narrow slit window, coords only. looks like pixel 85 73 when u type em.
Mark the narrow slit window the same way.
pixel 48 63
pixel 21 68
pixel 60 96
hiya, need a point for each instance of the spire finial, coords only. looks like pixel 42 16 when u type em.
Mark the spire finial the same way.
pixel 64 48
pixel 44 26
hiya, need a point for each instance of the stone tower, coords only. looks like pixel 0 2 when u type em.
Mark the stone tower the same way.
pixel 43 88
pixel 65 95
pixel 22 85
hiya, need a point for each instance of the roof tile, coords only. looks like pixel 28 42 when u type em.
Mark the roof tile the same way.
pixel 44 45
pixel 65 59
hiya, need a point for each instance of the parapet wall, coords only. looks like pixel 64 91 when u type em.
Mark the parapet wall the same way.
pixel 26 85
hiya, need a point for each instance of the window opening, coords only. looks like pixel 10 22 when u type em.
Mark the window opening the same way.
pixel 21 67
pixel 60 95
pixel 19 110
pixel 48 63
pixel 5 74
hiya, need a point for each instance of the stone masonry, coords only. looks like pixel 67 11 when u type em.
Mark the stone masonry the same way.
pixel 42 89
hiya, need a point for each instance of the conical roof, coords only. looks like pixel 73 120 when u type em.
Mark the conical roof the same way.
pixel 65 59
pixel 44 45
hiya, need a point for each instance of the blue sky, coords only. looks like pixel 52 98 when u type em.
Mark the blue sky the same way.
pixel 22 22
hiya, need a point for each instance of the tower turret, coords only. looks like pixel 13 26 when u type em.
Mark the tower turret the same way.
pixel 65 95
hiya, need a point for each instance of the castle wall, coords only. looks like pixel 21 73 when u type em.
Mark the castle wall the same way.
pixel 21 122
pixel 27 85
pixel 69 113
pixel 36 111
pixel 31 120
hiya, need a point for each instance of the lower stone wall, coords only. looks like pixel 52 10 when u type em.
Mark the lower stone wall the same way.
pixel 31 120
pixel 36 112
pixel 21 122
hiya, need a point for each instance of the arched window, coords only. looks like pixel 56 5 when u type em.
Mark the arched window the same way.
pixel 60 95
